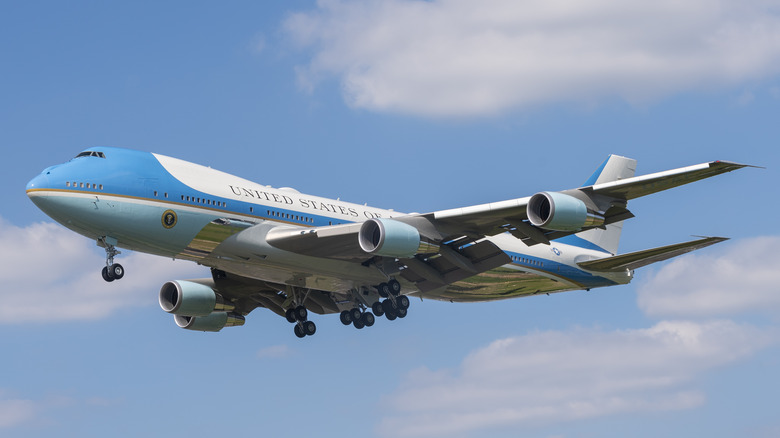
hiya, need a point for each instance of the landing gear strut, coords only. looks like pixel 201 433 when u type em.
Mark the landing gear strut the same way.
pixel 391 305
pixel 299 316
pixel 394 304
pixel 112 271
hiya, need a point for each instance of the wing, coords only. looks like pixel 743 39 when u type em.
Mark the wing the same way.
pixel 449 245
pixel 248 294
pixel 608 198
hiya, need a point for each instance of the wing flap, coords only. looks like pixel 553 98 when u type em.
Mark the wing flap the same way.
pixel 442 270
pixel 639 259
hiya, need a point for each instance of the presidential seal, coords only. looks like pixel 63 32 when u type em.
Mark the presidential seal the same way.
pixel 169 219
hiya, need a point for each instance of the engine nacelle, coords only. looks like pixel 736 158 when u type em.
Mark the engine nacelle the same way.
pixel 211 323
pixel 391 238
pixel 561 212
pixel 188 298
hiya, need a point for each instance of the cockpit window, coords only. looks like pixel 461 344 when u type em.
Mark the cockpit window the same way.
pixel 91 154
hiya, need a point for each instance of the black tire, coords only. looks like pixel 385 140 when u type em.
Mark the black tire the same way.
pixel 301 313
pixel 368 319
pixel 391 316
pixel 346 317
pixel 389 306
pixel 309 328
pixel 358 324
pixel 384 290
pixel 355 314
pixel 106 275
pixel 402 301
pixel 394 286
pixel 401 313
pixel 299 331
pixel 377 308
pixel 290 315
pixel 117 271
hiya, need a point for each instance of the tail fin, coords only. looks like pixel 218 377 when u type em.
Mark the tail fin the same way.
pixel 614 168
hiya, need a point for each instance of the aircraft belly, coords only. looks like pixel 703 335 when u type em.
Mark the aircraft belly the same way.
pixel 500 284
pixel 246 253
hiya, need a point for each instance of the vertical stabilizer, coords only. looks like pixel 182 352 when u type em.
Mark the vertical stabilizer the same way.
pixel 614 168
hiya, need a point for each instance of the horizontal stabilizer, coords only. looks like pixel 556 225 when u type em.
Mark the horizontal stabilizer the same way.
pixel 639 259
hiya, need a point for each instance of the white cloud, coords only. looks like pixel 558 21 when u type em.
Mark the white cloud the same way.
pixel 49 274
pixel 274 352
pixel 19 412
pixel 746 98
pixel 14 412
pixel 459 57
pixel 727 280
pixel 557 376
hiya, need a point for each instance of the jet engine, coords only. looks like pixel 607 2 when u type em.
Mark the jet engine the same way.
pixel 560 212
pixel 188 298
pixel 211 323
pixel 391 238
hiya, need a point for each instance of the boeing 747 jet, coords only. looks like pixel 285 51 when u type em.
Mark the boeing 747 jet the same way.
pixel 293 253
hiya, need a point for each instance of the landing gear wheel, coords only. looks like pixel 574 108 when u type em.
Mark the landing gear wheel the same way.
pixel 106 275
pixel 383 289
pixel 358 324
pixel 377 309
pixel 401 313
pixel 290 315
pixel 346 317
pixel 389 306
pixel 309 328
pixel 116 271
pixel 300 313
pixel 391 316
pixel 367 319
pixel 402 301
pixel 299 331
pixel 394 286
pixel 355 314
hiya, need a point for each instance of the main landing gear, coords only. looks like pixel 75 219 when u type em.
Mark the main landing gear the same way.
pixel 299 316
pixel 112 271
pixel 394 305
pixel 358 317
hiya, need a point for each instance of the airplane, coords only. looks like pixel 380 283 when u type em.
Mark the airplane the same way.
pixel 293 253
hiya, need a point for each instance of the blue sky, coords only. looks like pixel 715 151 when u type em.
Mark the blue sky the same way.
pixel 416 106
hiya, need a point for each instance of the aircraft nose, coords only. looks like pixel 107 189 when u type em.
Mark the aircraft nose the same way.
pixel 39 182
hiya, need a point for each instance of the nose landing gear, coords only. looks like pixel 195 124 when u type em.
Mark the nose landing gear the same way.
pixel 112 271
